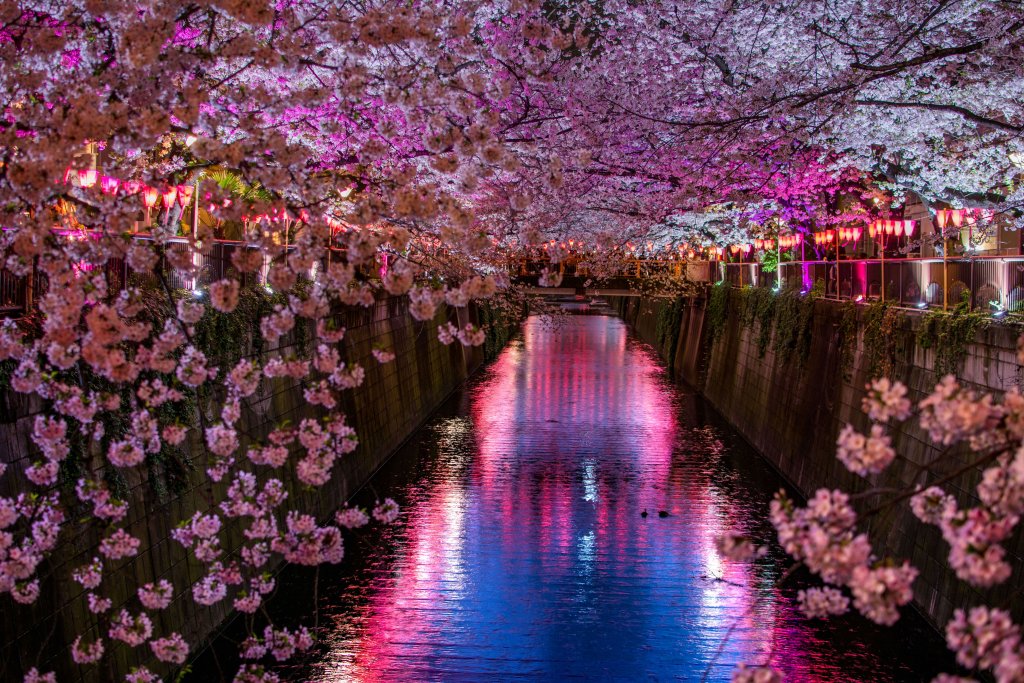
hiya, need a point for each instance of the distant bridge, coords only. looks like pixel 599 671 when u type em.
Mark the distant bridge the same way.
pixel 578 285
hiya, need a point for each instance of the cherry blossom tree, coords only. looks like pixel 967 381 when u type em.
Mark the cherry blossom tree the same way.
pixel 323 137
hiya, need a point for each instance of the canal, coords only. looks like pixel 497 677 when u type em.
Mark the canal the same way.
pixel 559 522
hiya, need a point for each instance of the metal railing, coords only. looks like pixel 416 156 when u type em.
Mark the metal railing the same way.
pixel 989 283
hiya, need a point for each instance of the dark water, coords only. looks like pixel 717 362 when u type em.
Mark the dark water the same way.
pixel 522 553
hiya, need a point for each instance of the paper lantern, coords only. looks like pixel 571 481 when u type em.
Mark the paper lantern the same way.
pixel 109 184
pixel 184 194
pixel 169 195
pixel 769 244
pixel 897 228
pixel 857 232
pixel 958 217
pixel 87 178
pixel 890 227
pixel 758 243
pixel 149 197
pixel 908 228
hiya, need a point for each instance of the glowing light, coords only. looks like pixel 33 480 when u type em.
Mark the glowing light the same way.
pixel 109 185
pixel 169 195
pixel 87 177
pixel 184 194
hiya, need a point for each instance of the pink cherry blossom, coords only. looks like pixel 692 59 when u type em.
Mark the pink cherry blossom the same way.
pixel 171 649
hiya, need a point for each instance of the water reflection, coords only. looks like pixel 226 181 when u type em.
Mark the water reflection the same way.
pixel 522 551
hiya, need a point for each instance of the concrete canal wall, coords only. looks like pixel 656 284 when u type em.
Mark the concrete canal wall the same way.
pixel 791 389
pixel 395 399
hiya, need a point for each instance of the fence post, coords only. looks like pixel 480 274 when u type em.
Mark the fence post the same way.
pixel 945 273
pixel 30 287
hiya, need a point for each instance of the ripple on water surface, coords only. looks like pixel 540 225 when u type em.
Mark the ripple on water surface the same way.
pixel 522 551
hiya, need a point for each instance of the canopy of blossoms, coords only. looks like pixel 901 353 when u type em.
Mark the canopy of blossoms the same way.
pixel 322 138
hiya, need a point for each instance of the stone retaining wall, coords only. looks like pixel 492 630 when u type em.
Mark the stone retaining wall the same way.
pixel 792 410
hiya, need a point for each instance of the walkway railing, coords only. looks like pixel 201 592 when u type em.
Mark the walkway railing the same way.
pixel 989 283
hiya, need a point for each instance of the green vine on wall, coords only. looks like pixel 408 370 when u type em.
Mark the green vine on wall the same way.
pixel 670 321
pixel 717 311
pixel 794 321
pixel 760 307
pixel 882 324
pixel 498 320
pixel 784 320
pixel 950 334
pixel 847 339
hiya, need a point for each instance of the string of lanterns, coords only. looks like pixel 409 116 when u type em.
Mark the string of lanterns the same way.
pixel 959 217
pixel 900 228
pixel 152 197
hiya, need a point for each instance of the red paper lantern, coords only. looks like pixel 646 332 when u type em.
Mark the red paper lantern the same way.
pixel 87 177
pixel 149 197
pixel 109 184
pixel 184 194
pixel 169 195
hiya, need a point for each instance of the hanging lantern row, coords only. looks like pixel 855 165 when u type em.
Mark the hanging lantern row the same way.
pixel 169 194
pixel 823 238
pixel 958 217
pixel 891 227
pixel 764 244
pixel 110 185
pixel 790 241
pixel 849 234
